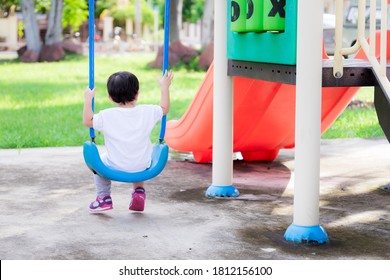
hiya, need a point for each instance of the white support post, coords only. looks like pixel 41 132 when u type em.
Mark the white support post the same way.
pixel 305 227
pixel 222 174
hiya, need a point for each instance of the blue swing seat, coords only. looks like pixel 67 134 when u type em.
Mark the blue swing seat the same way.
pixel 94 162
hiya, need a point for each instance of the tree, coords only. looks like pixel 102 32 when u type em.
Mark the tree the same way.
pixel 192 10
pixel 5 6
pixel 75 12
pixel 53 50
pixel 53 47
pixel 176 9
pixel 31 31
pixel 54 28
pixel 207 23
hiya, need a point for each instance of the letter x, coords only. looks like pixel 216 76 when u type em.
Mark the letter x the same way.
pixel 278 7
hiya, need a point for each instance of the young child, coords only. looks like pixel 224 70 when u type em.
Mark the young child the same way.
pixel 126 129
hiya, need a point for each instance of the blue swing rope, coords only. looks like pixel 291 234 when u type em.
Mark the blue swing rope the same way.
pixel 165 59
pixel 91 30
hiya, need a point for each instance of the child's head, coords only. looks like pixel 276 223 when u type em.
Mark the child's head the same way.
pixel 122 87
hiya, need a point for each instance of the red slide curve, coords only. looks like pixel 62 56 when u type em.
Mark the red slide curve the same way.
pixel 264 118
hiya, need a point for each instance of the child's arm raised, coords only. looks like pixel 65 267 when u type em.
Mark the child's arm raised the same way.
pixel 87 111
pixel 165 82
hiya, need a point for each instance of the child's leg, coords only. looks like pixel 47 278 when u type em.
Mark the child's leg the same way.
pixel 138 197
pixel 103 200
pixel 138 185
pixel 103 186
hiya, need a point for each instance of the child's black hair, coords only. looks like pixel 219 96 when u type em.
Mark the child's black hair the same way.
pixel 122 87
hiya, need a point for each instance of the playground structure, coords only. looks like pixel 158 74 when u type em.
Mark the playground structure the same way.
pixel 270 59
pixel 261 134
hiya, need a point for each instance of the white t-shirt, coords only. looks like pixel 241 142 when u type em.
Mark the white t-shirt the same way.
pixel 126 135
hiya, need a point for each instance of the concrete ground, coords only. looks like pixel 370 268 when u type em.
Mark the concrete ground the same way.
pixel 46 192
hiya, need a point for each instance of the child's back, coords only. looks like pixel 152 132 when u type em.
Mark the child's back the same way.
pixel 126 135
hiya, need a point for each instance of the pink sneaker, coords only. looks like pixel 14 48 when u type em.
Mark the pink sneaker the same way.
pixel 101 204
pixel 138 200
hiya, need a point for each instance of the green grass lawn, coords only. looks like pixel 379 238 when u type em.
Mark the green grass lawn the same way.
pixel 41 103
pixel 360 122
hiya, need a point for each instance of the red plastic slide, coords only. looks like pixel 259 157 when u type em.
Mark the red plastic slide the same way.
pixel 264 118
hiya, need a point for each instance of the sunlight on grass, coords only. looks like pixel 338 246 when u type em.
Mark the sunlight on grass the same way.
pixel 41 103
pixel 357 122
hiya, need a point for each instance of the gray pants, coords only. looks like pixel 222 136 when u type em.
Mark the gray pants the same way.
pixel 103 186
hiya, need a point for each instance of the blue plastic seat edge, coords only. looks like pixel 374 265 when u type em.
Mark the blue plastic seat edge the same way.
pixel 94 162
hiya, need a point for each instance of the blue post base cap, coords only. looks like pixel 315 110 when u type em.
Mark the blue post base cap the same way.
pixel 306 234
pixel 222 191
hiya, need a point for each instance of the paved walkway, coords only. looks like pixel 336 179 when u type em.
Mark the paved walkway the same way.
pixel 46 191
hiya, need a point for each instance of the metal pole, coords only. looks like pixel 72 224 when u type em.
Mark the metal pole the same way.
pixel 305 227
pixel 222 174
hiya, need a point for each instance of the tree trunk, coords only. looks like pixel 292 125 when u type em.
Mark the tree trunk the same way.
pixel 54 28
pixel 207 23
pixel 138 18
pixel 176 9
pixel 52 50
pixel 180 15
pixel 31 26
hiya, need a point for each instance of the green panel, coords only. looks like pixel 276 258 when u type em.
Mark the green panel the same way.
pixel 255 15
pixel 269 47
pixel 238 15
pixel 274 15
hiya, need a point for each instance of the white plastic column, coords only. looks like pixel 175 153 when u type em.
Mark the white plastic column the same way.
pixel 305 227
pixel 222 173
